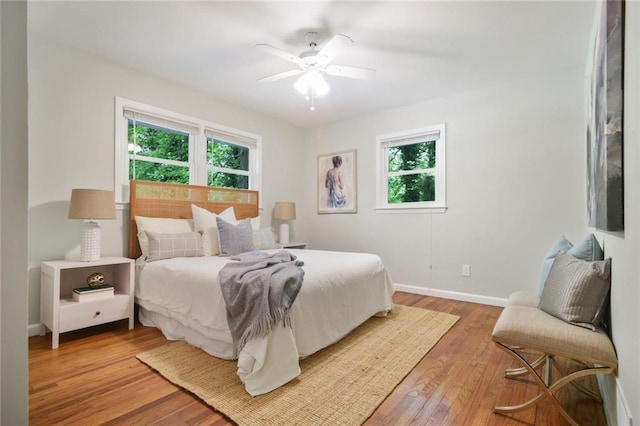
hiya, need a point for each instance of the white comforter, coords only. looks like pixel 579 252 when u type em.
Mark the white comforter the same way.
pixel 340 291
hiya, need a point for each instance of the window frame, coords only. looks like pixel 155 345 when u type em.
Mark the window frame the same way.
pixel 197 163
pixel 408 137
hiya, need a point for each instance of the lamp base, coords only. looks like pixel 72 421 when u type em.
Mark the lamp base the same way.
pixel 284 233
pixel 90 244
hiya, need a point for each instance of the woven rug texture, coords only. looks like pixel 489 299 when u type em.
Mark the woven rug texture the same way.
pixel 339 385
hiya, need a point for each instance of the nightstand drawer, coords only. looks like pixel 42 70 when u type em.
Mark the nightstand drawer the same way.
pixel 74 315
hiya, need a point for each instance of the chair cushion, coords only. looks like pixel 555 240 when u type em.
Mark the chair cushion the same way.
pixel 531 328
pixel 524 298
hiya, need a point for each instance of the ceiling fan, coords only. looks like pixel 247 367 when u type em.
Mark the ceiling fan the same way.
pixel 313 62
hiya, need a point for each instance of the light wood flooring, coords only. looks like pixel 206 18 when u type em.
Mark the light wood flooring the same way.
pixel 94 378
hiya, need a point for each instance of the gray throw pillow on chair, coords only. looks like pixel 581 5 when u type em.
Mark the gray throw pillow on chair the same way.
pixel 576 290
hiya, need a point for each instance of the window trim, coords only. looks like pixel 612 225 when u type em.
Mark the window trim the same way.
pixel 197 145
pixel 407 137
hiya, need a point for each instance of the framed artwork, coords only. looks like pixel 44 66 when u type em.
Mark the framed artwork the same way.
pixel 337 190
pixel 605 202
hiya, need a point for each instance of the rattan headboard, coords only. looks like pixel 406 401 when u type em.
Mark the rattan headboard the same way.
pixel 159 199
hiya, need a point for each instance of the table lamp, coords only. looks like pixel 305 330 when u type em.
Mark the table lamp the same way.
pixel 284 210
pixel 91 204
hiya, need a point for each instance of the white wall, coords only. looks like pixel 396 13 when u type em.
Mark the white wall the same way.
pixel 71 145
pixel 13 219
pixel 624 247
pixel 515 183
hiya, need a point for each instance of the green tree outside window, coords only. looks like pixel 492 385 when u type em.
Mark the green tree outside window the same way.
pixel 162 155
pixel 412 176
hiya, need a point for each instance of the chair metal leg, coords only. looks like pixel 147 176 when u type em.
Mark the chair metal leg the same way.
pixel 514 372
pixel 593 395
pixel 547 389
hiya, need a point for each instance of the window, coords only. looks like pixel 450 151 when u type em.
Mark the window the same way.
pixel 159 145
pixel 411 170
pixel 228 160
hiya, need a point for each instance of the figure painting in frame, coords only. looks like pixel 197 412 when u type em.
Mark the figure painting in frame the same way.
pixel 337 182
pixel 605 204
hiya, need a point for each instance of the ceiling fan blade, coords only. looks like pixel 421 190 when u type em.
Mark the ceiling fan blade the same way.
pixel 280 76
pixel 338 44
pixel 267 48
pixel 351 72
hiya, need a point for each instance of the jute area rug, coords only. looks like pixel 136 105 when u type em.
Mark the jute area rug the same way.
pixel 340 385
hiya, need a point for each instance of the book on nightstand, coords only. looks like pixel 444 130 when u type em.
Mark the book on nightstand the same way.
pixel 86 294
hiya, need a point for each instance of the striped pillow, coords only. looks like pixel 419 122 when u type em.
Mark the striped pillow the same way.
pixel 576 290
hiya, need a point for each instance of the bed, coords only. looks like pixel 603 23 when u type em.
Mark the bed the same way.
pixel 181 295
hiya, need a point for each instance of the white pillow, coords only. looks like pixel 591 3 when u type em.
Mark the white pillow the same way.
pixel 204 222
pixel 161 225
pixel 255 223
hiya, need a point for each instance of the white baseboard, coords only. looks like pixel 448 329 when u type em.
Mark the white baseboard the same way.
pixel 454 295
pixel 623 414
pixel 616 409
pixel 607 387
pixel 33 329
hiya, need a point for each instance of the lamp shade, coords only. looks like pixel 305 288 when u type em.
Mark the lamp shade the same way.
pixel 284 210
pixel 92 204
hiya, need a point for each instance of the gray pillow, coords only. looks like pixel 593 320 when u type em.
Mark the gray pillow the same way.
pixel 235 239
pixel 263 239
pixel 167 246
pixel 576 290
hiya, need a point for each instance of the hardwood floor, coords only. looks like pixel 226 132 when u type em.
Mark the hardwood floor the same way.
pixel 94 378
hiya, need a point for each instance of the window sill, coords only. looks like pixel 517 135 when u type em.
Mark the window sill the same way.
pixel 405 209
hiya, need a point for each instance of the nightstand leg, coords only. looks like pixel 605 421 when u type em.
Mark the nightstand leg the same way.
pixel 55 339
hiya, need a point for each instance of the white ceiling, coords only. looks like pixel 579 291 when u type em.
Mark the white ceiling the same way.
pixel 420 49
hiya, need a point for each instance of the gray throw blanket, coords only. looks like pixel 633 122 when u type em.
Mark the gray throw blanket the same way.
pixel 259 290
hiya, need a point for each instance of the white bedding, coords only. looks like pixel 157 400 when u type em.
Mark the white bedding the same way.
pixel 182 297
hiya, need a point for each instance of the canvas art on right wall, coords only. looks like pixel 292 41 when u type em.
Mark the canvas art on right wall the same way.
pixel 605 204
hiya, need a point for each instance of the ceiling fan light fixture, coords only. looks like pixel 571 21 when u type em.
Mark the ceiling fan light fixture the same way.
pixel 312 82
pixel 302 84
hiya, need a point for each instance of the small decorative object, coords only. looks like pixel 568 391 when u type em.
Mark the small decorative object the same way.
pixel 337 182
pixel 96 279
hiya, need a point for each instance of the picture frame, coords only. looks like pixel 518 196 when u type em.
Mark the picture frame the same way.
pixel 605 191
pixel 337 186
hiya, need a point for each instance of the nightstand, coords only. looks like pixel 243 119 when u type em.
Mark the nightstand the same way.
pixel 60 313
pixel 293 245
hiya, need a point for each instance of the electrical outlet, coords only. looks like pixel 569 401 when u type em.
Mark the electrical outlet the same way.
pixel 466 272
